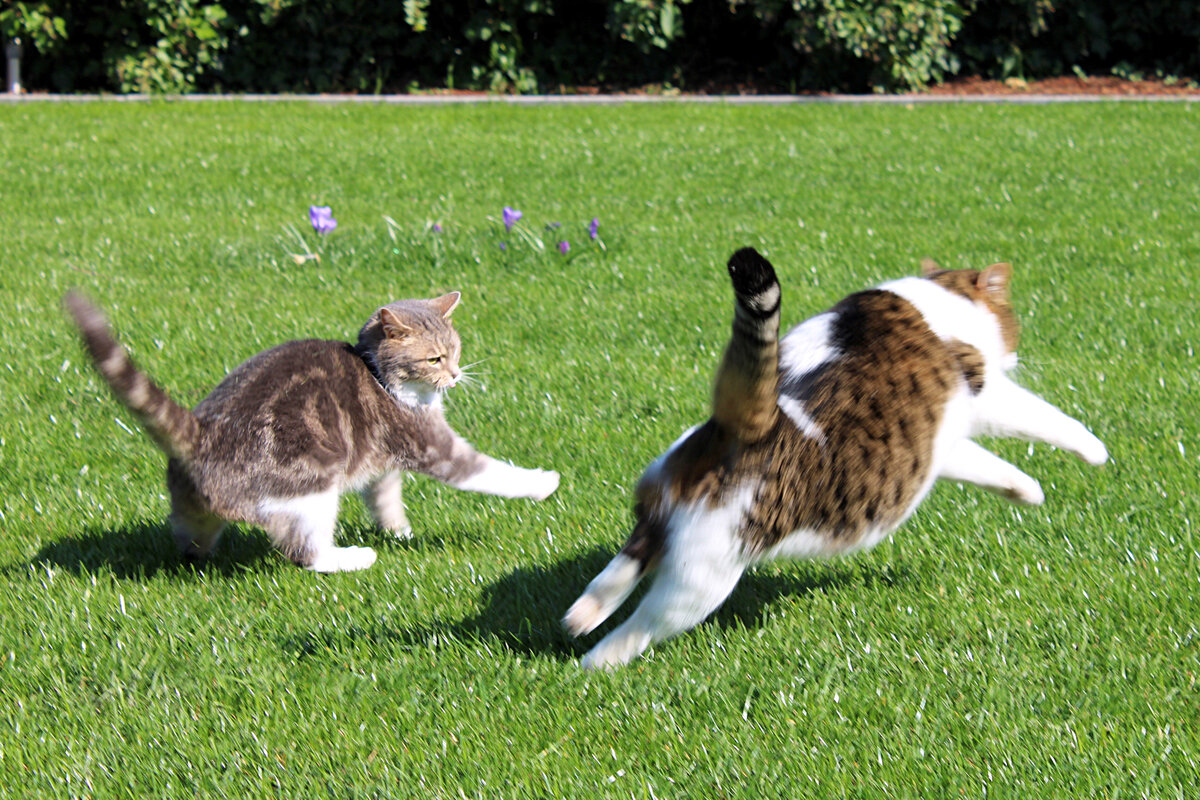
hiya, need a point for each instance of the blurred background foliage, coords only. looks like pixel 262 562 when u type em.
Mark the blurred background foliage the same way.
pixel 367 46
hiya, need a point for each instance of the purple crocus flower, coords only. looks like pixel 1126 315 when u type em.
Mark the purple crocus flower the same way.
pixel 564 246
pixel 322 219
pixel 437 227
pixel 503 245
pixel 594 227
pixel 511 215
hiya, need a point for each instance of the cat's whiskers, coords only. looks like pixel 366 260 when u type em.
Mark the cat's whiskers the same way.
pixel 469 379
pixel 466 372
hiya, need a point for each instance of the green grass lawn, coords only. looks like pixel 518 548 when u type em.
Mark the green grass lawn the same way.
pixel 984 650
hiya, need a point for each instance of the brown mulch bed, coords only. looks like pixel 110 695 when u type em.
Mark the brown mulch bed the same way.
pixel 1100 85
pixel 1067 85
pixel 1103 85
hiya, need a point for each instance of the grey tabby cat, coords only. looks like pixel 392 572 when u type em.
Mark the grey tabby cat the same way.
pixel 824 442
pixel 291 429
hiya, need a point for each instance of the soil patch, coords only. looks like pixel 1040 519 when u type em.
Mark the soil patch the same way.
pixel 1099 85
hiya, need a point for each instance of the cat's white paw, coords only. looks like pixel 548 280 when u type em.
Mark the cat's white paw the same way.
pixel 542 483
pixel 616 650
pixel 603 595
pixel 1092 451
pixel 402 532
pixel 1025 490
pixel 583 616
pixel 343 559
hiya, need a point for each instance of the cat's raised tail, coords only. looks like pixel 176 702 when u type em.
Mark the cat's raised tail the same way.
pixel 172 427
pixel 745 404
pixel 746 389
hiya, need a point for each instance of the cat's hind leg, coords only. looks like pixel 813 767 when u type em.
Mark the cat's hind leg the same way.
pixel 385 500
pixel 970 463
pixel 683 595
pixel 609 589
pixel 195 528
pixel 700 566
pixel 1006 409
pixel 302 528
pixel 196 533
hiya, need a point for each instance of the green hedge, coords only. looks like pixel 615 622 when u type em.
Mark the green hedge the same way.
pixel 369 46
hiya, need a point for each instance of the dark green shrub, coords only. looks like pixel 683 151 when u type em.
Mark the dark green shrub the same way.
pixel 1040 38
pixel 880 44
pixel 35 25
pixel 546 45
pixel 130 45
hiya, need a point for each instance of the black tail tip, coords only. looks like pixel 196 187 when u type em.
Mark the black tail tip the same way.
pixel 750 272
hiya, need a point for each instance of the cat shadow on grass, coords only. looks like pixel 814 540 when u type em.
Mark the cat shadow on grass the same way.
pixel 140 550
pixel 522 611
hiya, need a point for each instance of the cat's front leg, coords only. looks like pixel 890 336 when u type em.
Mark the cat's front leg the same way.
pixel 385 500
pixel 1006 409
pixel 970 463
pixel 451 460
pixel 506 480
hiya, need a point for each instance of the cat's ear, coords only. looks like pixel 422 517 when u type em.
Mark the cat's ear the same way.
pixel 445 304
pixel 393 328
pixel 994 280
pixel 929 266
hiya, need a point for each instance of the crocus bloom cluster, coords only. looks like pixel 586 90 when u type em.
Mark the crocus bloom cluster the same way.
pixel 511 216
pixel 322 219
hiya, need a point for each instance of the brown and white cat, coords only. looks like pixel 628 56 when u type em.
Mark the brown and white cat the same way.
pixel 288 431
pixel 824 442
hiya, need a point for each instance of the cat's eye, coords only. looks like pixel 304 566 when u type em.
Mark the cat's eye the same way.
pixel 434 361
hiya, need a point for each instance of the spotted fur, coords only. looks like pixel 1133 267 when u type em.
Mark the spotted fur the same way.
pixel 824 442
pixel 288 431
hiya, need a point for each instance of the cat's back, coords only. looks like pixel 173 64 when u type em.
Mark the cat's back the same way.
pixel 307 405
pixel 280 377
pixel 863 393
pixel 873 356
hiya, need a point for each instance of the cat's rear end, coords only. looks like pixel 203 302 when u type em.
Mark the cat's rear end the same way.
pixel 249 439
pixel 695 493
pixel 823 443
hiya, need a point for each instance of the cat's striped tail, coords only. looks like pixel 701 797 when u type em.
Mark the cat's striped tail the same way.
pixel 745 394
pixel 172 427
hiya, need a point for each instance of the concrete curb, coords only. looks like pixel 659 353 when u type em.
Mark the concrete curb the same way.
pixel 607 99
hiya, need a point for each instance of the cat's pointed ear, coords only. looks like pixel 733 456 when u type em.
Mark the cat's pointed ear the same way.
pixel 929 266
pixel 446 303
pixel 995 279
pixel 393 327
